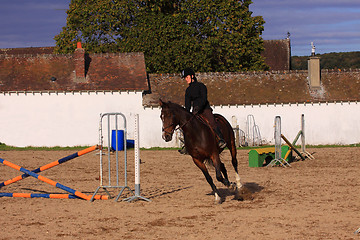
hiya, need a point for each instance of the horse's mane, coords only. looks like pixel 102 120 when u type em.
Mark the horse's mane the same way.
pixel 177 106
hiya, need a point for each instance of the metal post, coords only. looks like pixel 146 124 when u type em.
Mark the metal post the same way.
pixel 303 145
pixel 236 129
pixel 277 136
pixel 302 133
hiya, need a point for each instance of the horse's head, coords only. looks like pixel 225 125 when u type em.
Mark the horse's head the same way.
pixel 168 119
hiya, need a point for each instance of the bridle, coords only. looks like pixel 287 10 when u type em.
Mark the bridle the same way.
pixel 180 126
pixel 163 129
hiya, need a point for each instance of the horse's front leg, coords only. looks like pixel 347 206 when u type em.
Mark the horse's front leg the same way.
pixel 204 170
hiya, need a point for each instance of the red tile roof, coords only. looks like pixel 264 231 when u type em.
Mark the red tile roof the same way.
pixel 259 87
pixel 36 72
pixel 277 54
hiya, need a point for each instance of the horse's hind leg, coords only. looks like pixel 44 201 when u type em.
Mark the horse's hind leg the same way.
pixel 220 168
pixel 230 141
pixel 204 170
pixel 235 165
pixel 237 177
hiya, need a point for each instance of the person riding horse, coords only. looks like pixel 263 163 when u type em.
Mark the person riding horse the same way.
pixel 196 97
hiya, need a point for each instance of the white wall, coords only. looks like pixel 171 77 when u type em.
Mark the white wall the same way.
pixel 325 123
pixel 59 119
pixel 332 123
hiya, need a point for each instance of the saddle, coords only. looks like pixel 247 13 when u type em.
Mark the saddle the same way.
pixel 206 122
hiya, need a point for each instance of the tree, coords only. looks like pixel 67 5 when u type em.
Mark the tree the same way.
pixel 210 36
pixel 332 60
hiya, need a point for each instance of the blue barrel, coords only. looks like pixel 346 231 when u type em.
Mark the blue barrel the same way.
pixel 120 135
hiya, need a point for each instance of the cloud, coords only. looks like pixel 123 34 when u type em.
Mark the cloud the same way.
pixel 323 21
pixel 305 4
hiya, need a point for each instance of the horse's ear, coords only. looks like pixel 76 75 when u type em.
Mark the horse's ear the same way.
pixel 161 102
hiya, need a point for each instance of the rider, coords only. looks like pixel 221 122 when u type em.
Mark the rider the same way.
pixel 196 97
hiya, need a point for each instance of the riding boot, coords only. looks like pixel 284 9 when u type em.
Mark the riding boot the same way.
pixel 222 143
pixel 183 150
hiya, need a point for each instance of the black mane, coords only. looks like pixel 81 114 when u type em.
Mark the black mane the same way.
pixel 176 106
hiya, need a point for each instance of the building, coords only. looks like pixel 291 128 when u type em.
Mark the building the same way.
pixel 55 100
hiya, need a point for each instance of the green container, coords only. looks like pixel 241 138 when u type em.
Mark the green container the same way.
pixel 260 157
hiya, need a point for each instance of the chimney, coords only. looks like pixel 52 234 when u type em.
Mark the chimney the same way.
pixel 314 70
pixel 79 59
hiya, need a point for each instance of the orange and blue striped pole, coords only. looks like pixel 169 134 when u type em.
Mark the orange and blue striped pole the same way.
pixel 46 180
pixel 50 165
pixel 51 195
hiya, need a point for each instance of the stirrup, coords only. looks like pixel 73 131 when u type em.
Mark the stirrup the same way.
pixel 183 151
pixel 222 144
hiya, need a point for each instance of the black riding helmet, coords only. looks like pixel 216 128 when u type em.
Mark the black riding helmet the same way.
pixel 187 72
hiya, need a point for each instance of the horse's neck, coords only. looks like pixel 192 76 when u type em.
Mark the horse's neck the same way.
pixel 188 123
pixel 183 117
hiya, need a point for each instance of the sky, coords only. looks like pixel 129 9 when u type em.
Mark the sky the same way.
pixel 332 25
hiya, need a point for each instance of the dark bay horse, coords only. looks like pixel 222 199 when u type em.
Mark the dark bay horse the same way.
pixel 200 142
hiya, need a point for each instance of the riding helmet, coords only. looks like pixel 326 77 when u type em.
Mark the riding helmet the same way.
pixel 186 72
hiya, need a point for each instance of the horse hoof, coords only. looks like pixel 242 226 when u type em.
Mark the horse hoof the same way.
pixel 233 187
pixel 218 199
pixel 218 202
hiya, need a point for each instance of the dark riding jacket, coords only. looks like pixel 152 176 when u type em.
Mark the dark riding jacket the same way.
pixel 196 97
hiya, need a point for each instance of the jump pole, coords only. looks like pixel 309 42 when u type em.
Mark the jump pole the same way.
pixel 46 180
pixel 137 195
pixel 292 147
pixel 51 195
pixel 50 165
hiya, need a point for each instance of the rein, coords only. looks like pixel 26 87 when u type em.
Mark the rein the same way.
pixel 201 118
pixel 186 122
pixel 179 125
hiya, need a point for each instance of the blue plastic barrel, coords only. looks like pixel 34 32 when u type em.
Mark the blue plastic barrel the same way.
pixel 120 135
pixel 129 143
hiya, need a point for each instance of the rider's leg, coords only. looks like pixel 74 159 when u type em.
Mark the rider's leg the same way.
pixel 182 144
pixel 222 143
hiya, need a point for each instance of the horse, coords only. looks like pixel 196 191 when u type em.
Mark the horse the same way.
pixel 201 142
